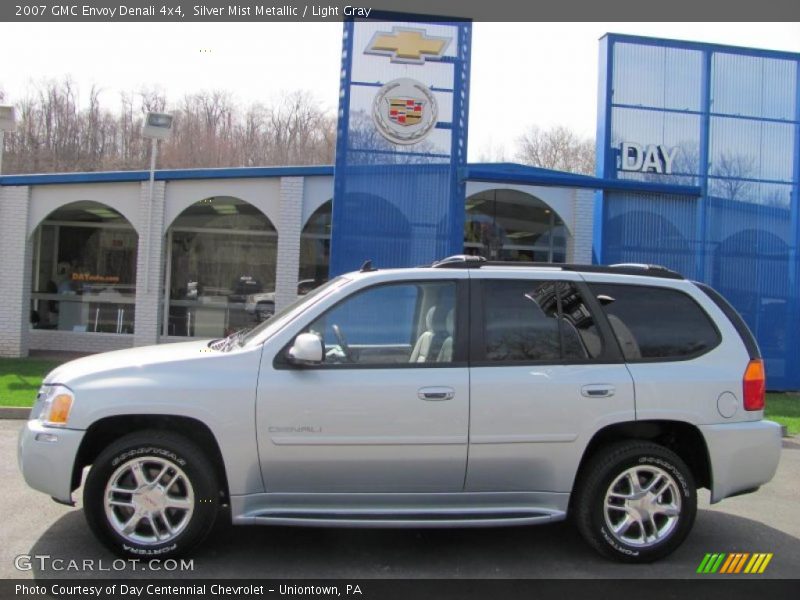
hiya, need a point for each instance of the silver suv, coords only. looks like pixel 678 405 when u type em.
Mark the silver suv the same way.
pixel 462 394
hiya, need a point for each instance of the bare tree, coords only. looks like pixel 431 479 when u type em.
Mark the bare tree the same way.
pixel 733 169
pixel 210 130
pixel 556 148
pixel 492 152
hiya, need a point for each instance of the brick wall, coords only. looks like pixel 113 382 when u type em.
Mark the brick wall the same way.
pixel 51 339
pixel 289 228
pixel 579 245
pixel 149 264
pixel 15 258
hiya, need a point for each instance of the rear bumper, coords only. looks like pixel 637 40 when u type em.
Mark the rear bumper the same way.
pixel 743 456
pixel 46 456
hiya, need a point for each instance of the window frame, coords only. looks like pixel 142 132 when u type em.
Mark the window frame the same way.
pixel 610 352
pixel 460 332
pixel 669 359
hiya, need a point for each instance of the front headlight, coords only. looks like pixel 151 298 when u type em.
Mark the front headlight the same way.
pixel 56 403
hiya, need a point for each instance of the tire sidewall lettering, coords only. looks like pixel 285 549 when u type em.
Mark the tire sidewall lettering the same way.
pixel 671 469
pixel 148 451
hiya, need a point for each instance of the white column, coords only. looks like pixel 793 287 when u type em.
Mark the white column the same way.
pixel 149 264
pixel 15 265
pixel 579 245
pixel 290 224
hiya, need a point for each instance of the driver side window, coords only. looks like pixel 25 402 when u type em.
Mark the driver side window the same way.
pixel 394 324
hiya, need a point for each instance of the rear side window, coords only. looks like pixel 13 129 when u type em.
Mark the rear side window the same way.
pixel 653 323
pixel 533 321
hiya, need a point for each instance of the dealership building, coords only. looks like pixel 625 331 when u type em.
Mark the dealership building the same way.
pixel 698 163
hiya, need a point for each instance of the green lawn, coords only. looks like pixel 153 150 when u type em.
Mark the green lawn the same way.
pixel 20 378
pixel 785 409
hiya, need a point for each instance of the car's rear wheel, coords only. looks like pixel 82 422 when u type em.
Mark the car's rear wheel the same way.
pixel 151 494
pixel 636 501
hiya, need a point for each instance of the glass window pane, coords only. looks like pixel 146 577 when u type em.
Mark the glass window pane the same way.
pixel 647 128
pixel 656 76
pixel 84 272
pixel 222 269
pixel 748 149
pixel 652 322
pixel 753 86
pixel 513 226
pixel 581 337
pixel 521 321
pixel 315 249
pixel 392 324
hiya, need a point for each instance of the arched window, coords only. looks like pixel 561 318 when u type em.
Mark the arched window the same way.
pixel 84 270
pixel 221 263
pixel 315 249
pixel 513 226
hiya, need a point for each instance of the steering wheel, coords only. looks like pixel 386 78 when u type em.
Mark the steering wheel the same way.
pixel 342 342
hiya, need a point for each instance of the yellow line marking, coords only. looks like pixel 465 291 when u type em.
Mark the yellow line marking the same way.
pixel 752 563
pixel 765 563
pixel 758 563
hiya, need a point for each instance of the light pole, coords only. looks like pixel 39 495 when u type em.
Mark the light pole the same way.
pixel 157 126
pixel 8 122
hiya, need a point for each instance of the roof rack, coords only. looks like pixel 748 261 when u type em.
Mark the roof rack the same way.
pixel 463 261
pixel 460 261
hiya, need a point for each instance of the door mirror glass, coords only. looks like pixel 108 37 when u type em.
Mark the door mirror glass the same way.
pixel 306 350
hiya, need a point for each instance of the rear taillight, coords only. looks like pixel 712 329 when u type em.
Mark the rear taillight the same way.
pixel 754 385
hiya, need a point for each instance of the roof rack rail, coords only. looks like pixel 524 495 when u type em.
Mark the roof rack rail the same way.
pixel 460 261
pixel 464 261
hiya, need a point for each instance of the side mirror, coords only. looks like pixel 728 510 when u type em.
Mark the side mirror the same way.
pixel 306 350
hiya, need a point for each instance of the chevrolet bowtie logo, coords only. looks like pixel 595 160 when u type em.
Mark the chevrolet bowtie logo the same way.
pixel 407 45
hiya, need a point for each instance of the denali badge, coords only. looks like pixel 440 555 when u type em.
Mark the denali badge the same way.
pixel 301 429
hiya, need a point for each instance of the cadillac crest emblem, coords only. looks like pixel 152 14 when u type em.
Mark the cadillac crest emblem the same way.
pixel 404 111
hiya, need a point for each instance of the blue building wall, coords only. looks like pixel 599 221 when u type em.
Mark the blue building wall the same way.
pixel 400 203
pixel 732 117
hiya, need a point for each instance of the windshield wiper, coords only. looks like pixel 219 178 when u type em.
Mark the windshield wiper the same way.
pixel 234 340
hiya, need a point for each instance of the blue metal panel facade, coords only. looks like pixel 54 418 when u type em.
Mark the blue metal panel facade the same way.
pixel 732 118
pixel 400 203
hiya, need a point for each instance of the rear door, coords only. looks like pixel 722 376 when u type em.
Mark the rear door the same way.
pixel 674 350
pixel 545 376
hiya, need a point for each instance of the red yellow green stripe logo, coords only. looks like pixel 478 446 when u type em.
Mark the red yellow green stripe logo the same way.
pixel 734 563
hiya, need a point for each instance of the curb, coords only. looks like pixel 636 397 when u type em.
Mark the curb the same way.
pixel 20 413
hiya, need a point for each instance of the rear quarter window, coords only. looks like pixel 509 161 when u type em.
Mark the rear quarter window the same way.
pixel 655 323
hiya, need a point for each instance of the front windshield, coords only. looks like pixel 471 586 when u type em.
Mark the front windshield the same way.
pixel 281 314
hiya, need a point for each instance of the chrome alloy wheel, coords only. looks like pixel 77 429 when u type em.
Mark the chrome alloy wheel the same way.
pixel 642 506
pixel 149 500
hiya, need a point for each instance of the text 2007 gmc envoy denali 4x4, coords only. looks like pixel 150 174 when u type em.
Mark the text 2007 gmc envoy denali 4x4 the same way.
pixel 467 393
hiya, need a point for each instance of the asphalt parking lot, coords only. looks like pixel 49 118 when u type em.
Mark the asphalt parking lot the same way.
pixel 768 521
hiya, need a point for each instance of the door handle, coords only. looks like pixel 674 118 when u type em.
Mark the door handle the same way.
pixel 436 393
pixel 598 390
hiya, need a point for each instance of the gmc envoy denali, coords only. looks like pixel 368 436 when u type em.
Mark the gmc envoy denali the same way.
pixel 467 393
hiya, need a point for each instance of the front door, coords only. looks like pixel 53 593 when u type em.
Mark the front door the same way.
pixel 388 408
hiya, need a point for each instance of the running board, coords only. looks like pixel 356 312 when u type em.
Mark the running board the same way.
pixel 402 518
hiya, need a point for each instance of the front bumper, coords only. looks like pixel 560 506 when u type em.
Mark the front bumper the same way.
pixel 47 465
pixel 743 455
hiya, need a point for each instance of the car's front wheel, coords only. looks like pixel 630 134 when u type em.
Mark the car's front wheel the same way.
pixel 636 501
pixel 151 494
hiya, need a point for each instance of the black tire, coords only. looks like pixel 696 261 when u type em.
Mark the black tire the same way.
pixel 185 472
pixel 610 467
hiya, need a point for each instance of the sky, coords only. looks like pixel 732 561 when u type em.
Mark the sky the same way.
pixel 522 74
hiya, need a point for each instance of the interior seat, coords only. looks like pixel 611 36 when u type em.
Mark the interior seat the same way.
pixel 446 352
pixel 426 349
